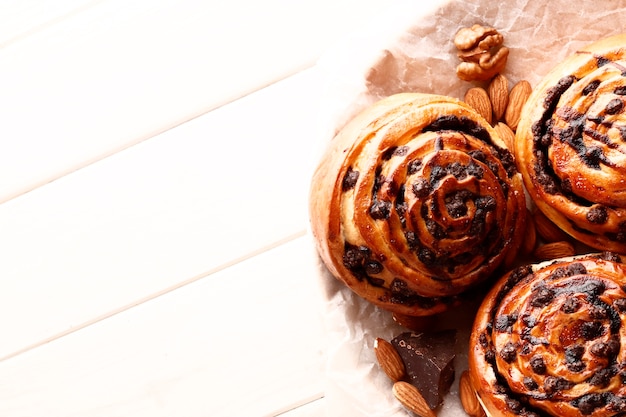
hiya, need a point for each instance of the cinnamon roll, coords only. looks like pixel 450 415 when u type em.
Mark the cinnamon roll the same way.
pixel 547 340
pixel 416 201
pixel 570 145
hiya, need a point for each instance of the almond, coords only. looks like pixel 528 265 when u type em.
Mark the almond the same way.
pixel 478 99
pixel 498 90
pixel 506 134
pixel 389 359
pixel 547 230
pixel 411 398
pixel 469 399
pixel 555 250
pixel 517 99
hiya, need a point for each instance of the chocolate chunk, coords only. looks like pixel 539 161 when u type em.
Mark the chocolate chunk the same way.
pixel 414 166
pixel 592 329
pixel 509 352
pixel 573 358
pixel 597 215
pixel 553 384
pixel 571 305
pixel 530 383
pixel 349 181
pixel 589 402
pixel 429 362
pixel 542 296
pixel 614 106
pixel 538 365
pixel 605 349
pixel 380 210
pixel 591 87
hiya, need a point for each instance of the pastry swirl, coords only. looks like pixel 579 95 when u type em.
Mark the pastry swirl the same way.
pixel 415 201
pixel 571 145
pixel 547 340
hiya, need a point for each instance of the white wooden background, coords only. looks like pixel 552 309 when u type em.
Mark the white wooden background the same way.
pixel 154 169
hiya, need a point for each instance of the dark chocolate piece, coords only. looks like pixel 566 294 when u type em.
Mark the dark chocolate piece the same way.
pixel 429 362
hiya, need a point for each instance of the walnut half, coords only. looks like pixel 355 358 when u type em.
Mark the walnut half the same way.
pixel 481 51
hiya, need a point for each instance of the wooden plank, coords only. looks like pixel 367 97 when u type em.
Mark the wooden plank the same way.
pixel 187 203
pixel 120 72
pixel 242 342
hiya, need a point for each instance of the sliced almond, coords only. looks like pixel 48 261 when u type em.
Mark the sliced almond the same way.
pixel 517 99
pixel 506 134
pixel 498 90
pixel 469 399
pixel 389 359
pixel 547 230
pixel 554 250
pixel 412 399
pixel 479 100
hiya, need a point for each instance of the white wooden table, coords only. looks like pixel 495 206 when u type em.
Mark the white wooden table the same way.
pixel 154 167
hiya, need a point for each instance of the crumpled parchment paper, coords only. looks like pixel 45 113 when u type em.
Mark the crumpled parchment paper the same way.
pixel 411 48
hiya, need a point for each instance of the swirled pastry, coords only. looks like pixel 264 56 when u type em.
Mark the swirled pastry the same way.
pixel 547 340
pixel 571 145
pixel 415 201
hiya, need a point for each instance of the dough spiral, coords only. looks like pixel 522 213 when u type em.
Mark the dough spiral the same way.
pixel 571 145
pixel 416 201
pixel 548 338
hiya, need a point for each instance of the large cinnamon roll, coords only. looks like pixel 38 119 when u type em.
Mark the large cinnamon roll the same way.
pixel 416 201
pixel 571 145
pixel 547 340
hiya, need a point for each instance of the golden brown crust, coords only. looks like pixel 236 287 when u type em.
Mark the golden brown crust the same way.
pixel 547 339
pixel 415 201
pixel 571 145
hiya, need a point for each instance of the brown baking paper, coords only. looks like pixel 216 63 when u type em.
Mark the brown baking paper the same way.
pixel 411 48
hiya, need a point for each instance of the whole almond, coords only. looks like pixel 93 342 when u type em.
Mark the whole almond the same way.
pixel 554 250
pixel 506 134
pixel 411 398
pixel 469 399
pixel 479 100
pixel 547 230
pixel 389 359
pixel 517 99
pixel 498 90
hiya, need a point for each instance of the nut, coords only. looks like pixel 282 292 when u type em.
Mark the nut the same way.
pixel 554 250
pixel 469 399
pixel 478 99
pixel 506 134
pixel 547 230
pixel 498 90
pixel 517 99
pixel 411 398
pixel 481 51
pixel 389 359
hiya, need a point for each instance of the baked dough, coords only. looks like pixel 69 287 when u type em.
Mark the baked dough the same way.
pixel 547 339
pixel 570 145
pixel 415 202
